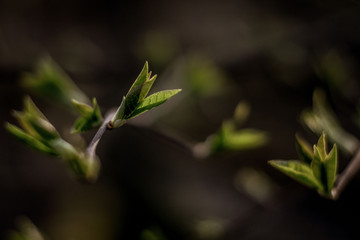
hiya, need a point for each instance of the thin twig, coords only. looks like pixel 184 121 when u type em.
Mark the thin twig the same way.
pixel 104 126
pixel 177 141
pixel 344 178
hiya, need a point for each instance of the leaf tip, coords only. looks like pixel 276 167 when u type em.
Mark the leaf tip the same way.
pixel 274 163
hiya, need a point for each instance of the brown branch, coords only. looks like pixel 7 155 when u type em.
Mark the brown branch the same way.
pixel 345 177
pixel 104 126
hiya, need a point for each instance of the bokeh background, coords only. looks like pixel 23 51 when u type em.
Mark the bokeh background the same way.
pixel 272 54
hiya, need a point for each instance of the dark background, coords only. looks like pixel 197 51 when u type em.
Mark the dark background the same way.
pixel 265 52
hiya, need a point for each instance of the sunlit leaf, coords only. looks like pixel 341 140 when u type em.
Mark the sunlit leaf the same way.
pixel 154 100
pixel 118 118
pixel 321 146
pixel 82 108
pixel 323 166
pixel 135 102
pixel 297 170
pixel 132 101
pixel 331 167
pixel 140 79
pixel 304 150
pixel 318 168
pixel 147 86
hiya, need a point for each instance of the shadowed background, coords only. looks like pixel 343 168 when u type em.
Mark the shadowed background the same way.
pixel 272 54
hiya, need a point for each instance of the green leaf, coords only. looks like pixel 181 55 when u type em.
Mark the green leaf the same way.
pixel 82 108
pixel 140 79
pixel 29 140
pixel 320 169
pixel 317 165
pixel 297 170
pixel 321 145
pixel 154 100
pixel 90 117
pixel 147 86
pixel 331 167
pixel 303 149
pixel 132 101
pixel 119 114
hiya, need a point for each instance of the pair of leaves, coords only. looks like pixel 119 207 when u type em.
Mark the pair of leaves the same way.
pixel 136 102
pixel 37 132
pixel 316 168
pixel 90 117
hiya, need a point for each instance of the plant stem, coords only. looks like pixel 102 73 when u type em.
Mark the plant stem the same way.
pixel 104 126
pixel 344 178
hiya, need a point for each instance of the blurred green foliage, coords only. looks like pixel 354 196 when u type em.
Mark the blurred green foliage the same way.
pixel 38 133
pixel 229 138
pixel 322 119
pixel 204 77
pixel 51 82
pixel 159 47
pixel 27 231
